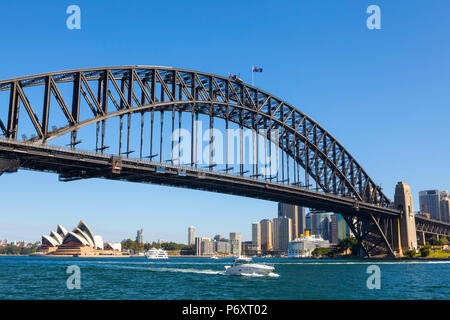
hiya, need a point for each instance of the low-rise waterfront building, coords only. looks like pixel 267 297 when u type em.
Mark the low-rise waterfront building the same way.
pixel 222 246
pixel 249 249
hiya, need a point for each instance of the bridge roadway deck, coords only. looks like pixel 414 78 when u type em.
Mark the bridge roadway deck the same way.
pixel 71 164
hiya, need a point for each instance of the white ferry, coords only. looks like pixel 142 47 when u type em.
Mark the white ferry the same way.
pixel 154 253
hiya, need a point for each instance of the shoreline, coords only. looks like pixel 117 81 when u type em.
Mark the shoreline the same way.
pixel 190 256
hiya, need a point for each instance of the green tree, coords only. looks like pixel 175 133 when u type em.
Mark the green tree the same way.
pixel 410 253
pixel 425 251
pixel 129 244
pixel 434 241
pixel 320 252
pixel 188 250
pixel 11 249
pixel 443 241
pixel 348 243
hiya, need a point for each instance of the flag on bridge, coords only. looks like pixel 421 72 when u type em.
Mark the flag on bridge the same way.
pixel 255 69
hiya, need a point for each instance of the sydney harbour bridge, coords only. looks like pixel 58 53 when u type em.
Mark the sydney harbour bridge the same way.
pixel 117 123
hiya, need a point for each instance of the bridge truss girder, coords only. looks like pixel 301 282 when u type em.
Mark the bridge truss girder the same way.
pixel 432 227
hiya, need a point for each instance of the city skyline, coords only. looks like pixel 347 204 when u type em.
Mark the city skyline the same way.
pixel 314 228
pixel 366 78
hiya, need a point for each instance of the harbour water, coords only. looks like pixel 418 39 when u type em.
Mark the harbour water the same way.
pixel 203 278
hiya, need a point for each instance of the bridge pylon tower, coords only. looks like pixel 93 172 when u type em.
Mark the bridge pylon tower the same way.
pixel 404 231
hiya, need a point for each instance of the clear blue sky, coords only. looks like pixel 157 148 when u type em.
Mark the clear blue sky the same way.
pixel 384 94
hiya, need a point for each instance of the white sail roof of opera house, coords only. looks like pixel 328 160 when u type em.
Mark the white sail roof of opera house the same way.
pixel 61 231
pixel 72 236
pixel 57 237
pixel 113 246
pixel 98 241
pixel 83 227
pixel 49 241
pixel 86 237
pixel 81 234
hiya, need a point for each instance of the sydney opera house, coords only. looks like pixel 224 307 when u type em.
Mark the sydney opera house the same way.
pixel 81 241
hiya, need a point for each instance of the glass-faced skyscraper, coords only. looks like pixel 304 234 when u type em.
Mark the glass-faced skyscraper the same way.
pixel 338 228
pixel 296 214
pixel 445 208
pixel 320 223
pixel 430 203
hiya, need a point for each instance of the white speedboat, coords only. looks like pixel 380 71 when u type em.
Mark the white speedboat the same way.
pixel 242 266
pixel 154 253
pixel 214 257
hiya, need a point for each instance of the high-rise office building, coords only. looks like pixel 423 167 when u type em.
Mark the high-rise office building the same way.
pixel 301 220
pixel 296 214
pixel 266 235
pixel 343 228
pixel 256 235
pixel 429 201
pixel 326 227
pixel 281 233
pixel 140 236
pixel 191 235
pixel 204 246
pixel 320 224
pixel 235 243
pixel 334 229
pixel 445 207
pixel 308 222
pixel 338 228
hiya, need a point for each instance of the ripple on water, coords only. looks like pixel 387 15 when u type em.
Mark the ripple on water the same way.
pixel 196 278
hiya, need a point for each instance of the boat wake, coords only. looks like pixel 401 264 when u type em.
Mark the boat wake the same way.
pixel 197 271
pixel 186 270
pixel 258 275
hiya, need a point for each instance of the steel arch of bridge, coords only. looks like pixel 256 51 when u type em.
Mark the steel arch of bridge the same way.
pixel 319 153
pixel 130 90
